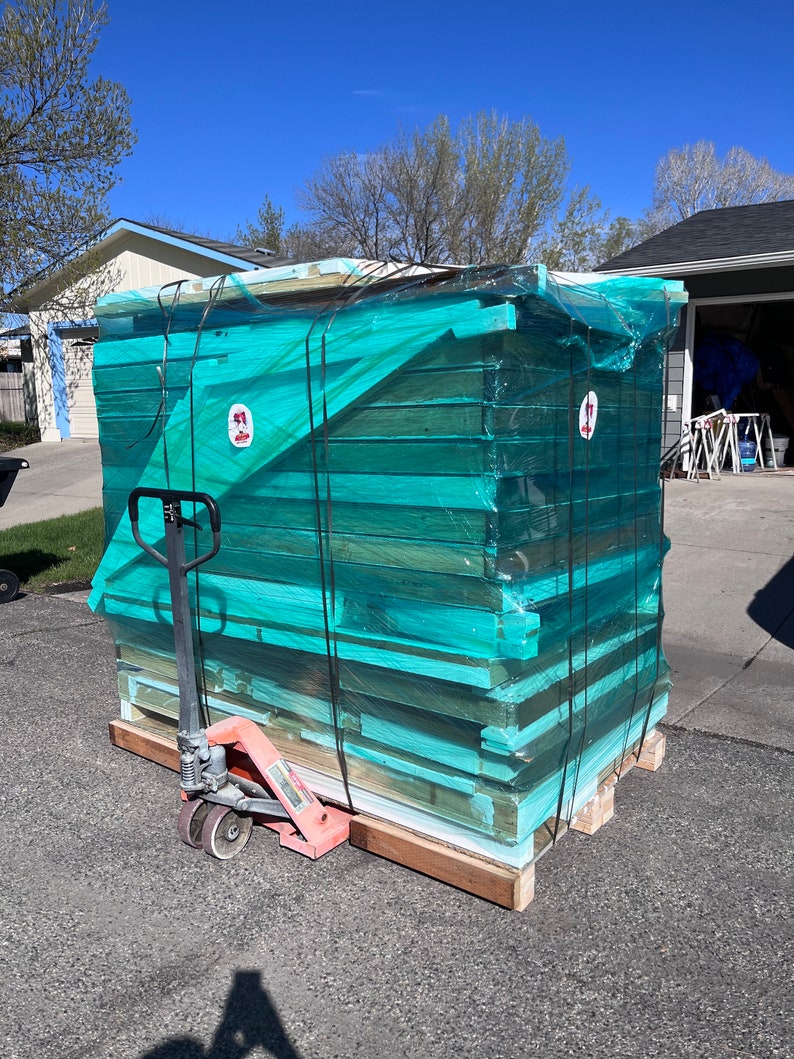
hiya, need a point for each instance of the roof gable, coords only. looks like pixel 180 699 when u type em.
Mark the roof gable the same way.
pixel 254 257
pixel 764 231
pixel 222 257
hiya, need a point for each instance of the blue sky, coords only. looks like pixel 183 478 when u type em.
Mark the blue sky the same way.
pixel 235 101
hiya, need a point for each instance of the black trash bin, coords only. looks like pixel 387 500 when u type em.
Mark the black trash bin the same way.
pixel 9 468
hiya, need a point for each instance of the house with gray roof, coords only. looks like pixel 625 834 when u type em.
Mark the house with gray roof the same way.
pixel 737 265
pixel 59 303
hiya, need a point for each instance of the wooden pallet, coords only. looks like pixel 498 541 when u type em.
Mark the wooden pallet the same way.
pixel 510 887
pixel 601 807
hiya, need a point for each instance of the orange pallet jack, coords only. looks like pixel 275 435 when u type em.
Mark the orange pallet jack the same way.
pixel 230 771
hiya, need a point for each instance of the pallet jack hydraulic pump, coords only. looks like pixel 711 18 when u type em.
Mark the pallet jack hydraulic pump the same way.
pixel 222 793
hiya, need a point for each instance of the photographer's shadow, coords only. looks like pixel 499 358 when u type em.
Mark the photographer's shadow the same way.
pixel 249 1021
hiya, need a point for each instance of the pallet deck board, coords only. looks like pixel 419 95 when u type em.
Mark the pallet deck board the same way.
pixel 503 886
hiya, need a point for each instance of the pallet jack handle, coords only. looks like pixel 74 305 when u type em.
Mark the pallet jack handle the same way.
pixel 214 798
pixel 191 737
pixel 172 500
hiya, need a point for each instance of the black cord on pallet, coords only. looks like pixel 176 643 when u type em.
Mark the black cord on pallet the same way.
pixel 571 678
pixel 347 296
pixel 635 434
pixel 586 689
pixel 162 372
pixel 659 604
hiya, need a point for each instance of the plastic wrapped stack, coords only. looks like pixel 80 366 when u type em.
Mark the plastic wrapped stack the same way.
pixel 439 583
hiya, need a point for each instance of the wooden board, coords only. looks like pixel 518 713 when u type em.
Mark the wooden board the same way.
pixel 505 886
pixel 598 811
pixel 509 887
pixel 161 749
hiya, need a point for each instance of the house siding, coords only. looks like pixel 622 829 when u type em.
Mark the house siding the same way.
pixel 673 399
pixel 140 268
pixel 672 408
pixel 135 262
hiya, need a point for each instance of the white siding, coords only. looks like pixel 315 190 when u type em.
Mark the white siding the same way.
pixel 128 263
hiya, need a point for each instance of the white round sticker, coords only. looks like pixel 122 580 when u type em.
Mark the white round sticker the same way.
pixel 241 426
pixel 588 413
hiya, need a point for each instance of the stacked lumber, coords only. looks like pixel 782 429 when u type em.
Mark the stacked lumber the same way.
pixel 437 593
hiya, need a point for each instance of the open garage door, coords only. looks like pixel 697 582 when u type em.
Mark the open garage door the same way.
pixel 743 359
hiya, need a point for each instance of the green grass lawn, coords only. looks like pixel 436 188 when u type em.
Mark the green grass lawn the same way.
pixel 59 553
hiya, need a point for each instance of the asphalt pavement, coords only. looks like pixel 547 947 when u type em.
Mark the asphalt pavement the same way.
pixel 665 934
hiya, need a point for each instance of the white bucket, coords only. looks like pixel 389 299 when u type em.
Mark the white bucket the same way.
pixel 780 443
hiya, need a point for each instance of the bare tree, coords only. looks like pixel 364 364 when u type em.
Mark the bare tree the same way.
pixel 310 243
pixel 422 193
pixel 694 178
pixel 346 200
pixel 513 185
pixel 490 192
pixel 62 134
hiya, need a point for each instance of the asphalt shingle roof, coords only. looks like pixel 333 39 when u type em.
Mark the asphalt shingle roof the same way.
pixel 253 255
pixel 736 231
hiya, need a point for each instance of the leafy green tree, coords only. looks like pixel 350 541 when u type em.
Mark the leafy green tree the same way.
pixel 576 242
pixel 266 230
pixel 620 235
pixel 62 133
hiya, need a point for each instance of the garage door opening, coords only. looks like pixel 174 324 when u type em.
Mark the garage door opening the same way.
pixel 743 361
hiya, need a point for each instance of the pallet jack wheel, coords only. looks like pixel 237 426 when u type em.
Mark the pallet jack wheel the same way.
pixel 191 821
pixel 225 832
pixel 9 586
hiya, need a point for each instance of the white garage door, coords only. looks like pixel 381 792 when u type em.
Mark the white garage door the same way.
pixel 78 360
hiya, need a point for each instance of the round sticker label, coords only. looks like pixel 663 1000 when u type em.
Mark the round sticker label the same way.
pixel 241 426
pixel 588 413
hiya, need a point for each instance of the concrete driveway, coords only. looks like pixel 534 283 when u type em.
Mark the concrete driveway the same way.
pixel 729 606
pixel 61 480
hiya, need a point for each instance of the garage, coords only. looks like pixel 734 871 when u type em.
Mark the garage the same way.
pixel 78 361
pixel 743 360
pixel 735 346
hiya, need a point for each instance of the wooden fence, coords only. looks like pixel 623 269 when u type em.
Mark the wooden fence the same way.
pixel 12 398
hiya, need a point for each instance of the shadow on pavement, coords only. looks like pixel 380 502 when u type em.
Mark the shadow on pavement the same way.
pixel 773 606
pixel 249 1021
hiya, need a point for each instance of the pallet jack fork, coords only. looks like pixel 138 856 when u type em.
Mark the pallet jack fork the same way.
pixel 221 797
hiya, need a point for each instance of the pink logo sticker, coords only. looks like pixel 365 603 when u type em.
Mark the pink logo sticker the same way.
pixel 588 413
pixel 241 426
